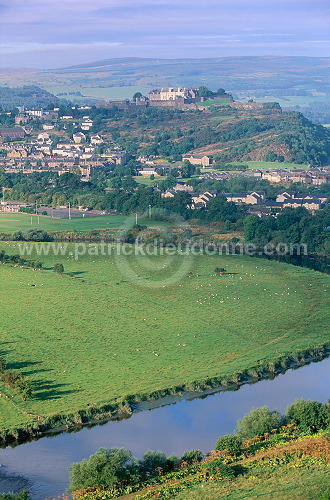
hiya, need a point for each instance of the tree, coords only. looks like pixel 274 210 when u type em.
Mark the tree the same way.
pixel 36 235
pixel 309 415
pixel 59 268
pixel 104 468
pixel 137 95
pixel 230 443
pixel 192 456
pixel 187 169
pixel 257 422
pixel 219 270
pixel 203 91
pixel 153 460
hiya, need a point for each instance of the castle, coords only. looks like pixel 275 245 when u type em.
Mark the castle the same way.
pixel 172 94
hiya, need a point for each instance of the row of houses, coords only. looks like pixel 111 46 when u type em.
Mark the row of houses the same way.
pixel 310 201
pixel 314 177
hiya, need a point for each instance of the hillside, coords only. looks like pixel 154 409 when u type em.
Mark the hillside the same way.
pixel 29 96
pixel 232 132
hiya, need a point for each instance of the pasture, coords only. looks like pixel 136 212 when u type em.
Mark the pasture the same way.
pixel 113 325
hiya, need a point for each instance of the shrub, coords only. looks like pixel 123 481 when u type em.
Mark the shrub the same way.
pixel 309 415
pixel 218 467
pixel 192 456
pixel 23 495
pixel 232 444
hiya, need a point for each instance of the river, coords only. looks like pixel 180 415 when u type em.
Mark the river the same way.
pixel 42 466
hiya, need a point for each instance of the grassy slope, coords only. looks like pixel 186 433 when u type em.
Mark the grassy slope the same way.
pixel 93 338
pixel 296 469
pixel 282 483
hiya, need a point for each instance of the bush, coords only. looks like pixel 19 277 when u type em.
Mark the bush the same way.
pixel 23 495
pixel 36 235
pixel 232 444
pixel 219 270
pixel 218 467
pixel 59 268
pixel 104 468
pixel 309 415
pixel 257 422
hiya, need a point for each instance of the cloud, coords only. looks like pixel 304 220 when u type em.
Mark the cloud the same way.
pixel 153 25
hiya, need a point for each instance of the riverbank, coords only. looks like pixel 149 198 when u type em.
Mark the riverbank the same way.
pixel 251 321
pixel 175 428
pixel 133 403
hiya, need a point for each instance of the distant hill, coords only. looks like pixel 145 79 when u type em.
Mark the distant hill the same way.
pixel 231 73
pixel 28 96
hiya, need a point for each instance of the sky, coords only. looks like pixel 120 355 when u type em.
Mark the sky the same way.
pixel 53 34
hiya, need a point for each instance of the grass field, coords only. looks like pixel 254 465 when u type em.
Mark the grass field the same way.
pixel 101 93
pixel 275 165
pixel 114 328
pixel 22 222
pixel 216 101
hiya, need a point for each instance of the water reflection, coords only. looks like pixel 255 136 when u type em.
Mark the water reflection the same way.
pixel 173 429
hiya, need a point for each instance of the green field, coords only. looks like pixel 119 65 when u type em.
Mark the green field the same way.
pixel 275 165
pixel 23 222
pixel 101 93
pixel 125 325
pixel 216 102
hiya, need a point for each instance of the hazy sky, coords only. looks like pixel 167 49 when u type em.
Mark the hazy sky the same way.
pixel 48 33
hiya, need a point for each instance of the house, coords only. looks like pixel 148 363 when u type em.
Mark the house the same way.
pixel 17 153
pixel 250 198
pixel 285 195
pixel 183 187
pixel 149 171
pixel 292 195
pixel 86 124
pixel 96 139
pixel 201 199
pixel 48 126
pixel 13 207
pixel 195 159
pixel 21 119
pixel 311 204
pixel 43 137
pixel 79 137
pixel 170 193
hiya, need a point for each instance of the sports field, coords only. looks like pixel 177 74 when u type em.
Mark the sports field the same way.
pixel 23 222
pixel 122 325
